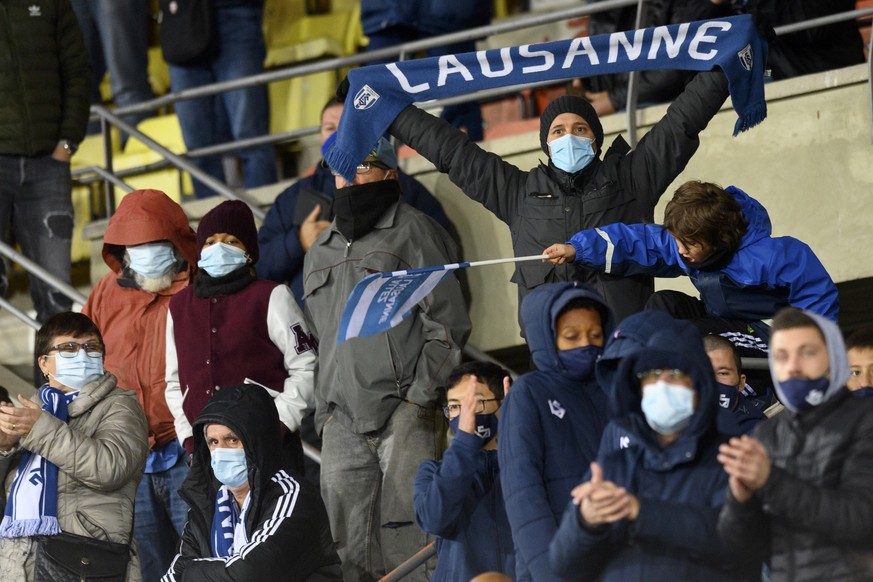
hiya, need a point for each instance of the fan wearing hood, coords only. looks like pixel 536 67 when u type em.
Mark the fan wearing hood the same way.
pixel 800 485
pixel 151 251
pixel 552 418
pixel 251 517
pixel 737 413
pixel 232 328
pixel 649 506
pixel 721 239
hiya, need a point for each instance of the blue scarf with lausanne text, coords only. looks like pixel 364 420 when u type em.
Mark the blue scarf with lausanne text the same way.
pixel 378 93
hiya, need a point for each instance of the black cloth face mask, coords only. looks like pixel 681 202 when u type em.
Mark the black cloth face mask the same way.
pixel 359 207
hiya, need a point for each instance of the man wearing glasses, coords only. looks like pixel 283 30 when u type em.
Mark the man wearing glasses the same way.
pixel 459 499
pixel 377 396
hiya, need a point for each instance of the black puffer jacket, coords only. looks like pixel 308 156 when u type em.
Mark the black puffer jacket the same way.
pixel 814 516
pixel 546 205
pixel 286 521
pixel 45 78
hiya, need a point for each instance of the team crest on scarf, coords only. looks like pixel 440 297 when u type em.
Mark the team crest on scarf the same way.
pixel 365 98
pixel 745 57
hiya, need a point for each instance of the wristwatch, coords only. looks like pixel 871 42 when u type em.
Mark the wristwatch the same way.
pixel 69 146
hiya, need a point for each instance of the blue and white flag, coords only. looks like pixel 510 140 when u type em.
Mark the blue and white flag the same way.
pixel 378 93
pixel 382 300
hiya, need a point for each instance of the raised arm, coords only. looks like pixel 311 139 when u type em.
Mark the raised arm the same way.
pixel 481 175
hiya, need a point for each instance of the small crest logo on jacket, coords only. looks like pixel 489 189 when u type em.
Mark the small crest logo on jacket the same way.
pixel 745 56
pixel 623 442
pixel 556 408
pixel 815 397
pixel 365 98
pixel 34 10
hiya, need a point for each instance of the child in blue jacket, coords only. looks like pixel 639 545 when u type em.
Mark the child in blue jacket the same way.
pixel 721 239
pixel 459 499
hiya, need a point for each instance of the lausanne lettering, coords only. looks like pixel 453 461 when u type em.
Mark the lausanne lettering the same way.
pixel 542 60
pixel 389 295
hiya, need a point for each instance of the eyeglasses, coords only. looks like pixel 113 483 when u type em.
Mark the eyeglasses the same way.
pixel 70 349
pixel 453 410
pixel 649 376
pixel 364 168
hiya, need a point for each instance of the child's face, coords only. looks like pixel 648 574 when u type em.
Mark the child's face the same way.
pixel 579 328
pixel 861 365
pixel 487 402
pixel 692 251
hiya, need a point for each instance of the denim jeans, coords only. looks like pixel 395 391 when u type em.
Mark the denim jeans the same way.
pixel 159 519
pixel 36 206
pixel 238 114
pixel 116 36
pixel 366 484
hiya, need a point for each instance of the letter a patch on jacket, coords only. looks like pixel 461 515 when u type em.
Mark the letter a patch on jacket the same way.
pixel 303 341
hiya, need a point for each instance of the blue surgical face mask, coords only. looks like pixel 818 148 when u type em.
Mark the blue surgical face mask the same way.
pixel 801 394
pixel 229 466
pixel 221 259
pixel 864 392
pixel 152 260
pixel 667 407
pixel 579 362
pixel 571 153
pixel 78 371
pixel 486 425
pixel 727 395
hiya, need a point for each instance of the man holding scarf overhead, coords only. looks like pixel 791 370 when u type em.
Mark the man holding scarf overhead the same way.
pixel 581 185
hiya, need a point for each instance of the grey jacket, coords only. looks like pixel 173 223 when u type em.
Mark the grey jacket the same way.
pixel 546 205
pixel 100 453
pixel 366 378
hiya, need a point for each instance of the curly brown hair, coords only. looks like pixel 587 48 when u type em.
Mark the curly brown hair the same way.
pixel 702 212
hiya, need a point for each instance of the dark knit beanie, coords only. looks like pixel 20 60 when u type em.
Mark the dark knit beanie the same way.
pixel 570 104
pixel 233 217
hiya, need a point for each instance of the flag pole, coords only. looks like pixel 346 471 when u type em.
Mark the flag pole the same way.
pixel 453 266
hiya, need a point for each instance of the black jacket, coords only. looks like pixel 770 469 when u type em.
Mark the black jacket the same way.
pixel 814 516
pixel 799 53
pixel 45 78
pixel 286 521
pixel 546 205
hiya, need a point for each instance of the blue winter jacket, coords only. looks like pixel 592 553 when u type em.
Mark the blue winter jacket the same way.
pixel 764 275
pixel 681 487
pixel 282 255
pixel 460 501
pixel 550 432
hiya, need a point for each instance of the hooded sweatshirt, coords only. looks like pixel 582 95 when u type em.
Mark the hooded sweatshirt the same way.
pixel 680 487
pixel 813 518
pixel 764 274
pixel 286 523
pixel 133 321
pixel 550 430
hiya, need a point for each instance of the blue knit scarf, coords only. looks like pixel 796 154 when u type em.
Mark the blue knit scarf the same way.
pixel 32 508
pixel 378 93
pixel 223 523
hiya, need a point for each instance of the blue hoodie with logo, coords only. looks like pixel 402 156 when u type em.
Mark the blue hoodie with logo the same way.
pixel 680 487
pixel 550 427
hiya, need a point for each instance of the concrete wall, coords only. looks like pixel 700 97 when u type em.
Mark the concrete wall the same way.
pixel 810 163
